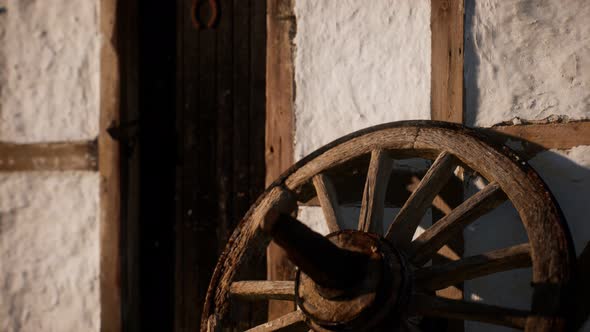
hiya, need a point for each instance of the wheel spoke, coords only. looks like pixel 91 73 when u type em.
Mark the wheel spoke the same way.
pixel 432 306
pixel 328 201
pixel 260 290
pixel 294 321
pixel 426 245
pixel 444 275
pixel 407 220
pixel 371 215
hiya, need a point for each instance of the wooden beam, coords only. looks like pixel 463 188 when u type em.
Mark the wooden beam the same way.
pixel 63 156
pixel 446 21
pixel 280 94
pixel 447 102
pixel 539 136
pixel 109 169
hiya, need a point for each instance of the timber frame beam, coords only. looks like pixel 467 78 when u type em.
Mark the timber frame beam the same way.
pixel 109 167
pixel 537 137
pixel 59 156
pixel 84 155
pixel 280 95
pixel 447 19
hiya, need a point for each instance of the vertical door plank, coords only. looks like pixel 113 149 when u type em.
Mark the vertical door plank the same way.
pixel 198 221
pixel 220 118
pixel 257 98
pixel 256 138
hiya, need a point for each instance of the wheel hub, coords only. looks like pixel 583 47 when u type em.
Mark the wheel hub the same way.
pixel 378 295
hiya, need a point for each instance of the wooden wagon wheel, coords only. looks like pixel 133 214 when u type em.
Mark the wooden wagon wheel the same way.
pixel 358 280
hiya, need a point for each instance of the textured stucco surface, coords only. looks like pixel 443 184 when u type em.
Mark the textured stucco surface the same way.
pixel 49 70
pixel 49 252
pixel 526 58
pixel 49 234
pixel 358 64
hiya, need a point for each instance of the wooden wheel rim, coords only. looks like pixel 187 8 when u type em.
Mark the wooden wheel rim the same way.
pixel 549 238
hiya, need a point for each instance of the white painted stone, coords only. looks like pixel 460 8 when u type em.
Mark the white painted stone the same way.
pixel 49 252
pixel 358 64
pixel 49 70
pixel 526 58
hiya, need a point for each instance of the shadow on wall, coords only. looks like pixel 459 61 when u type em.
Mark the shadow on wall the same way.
pixel 568 177
pixel 566 173
pixel 471 64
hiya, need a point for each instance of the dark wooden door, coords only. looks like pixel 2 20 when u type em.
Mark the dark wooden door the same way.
pixel 194 102
pixel 220 122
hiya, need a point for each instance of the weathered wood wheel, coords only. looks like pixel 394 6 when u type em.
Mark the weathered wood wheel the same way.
pixel 359 280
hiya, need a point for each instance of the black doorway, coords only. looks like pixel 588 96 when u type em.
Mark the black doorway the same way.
pixel 193 108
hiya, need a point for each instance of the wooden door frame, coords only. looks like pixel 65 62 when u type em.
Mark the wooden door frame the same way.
pixel 109 171
pixel 120 88
pixel 280 97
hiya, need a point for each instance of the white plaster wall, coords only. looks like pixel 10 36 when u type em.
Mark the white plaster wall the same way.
pixel 358 64
pixel 49 64
pixel 527 59
pixel 49 252
pixel 49 234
